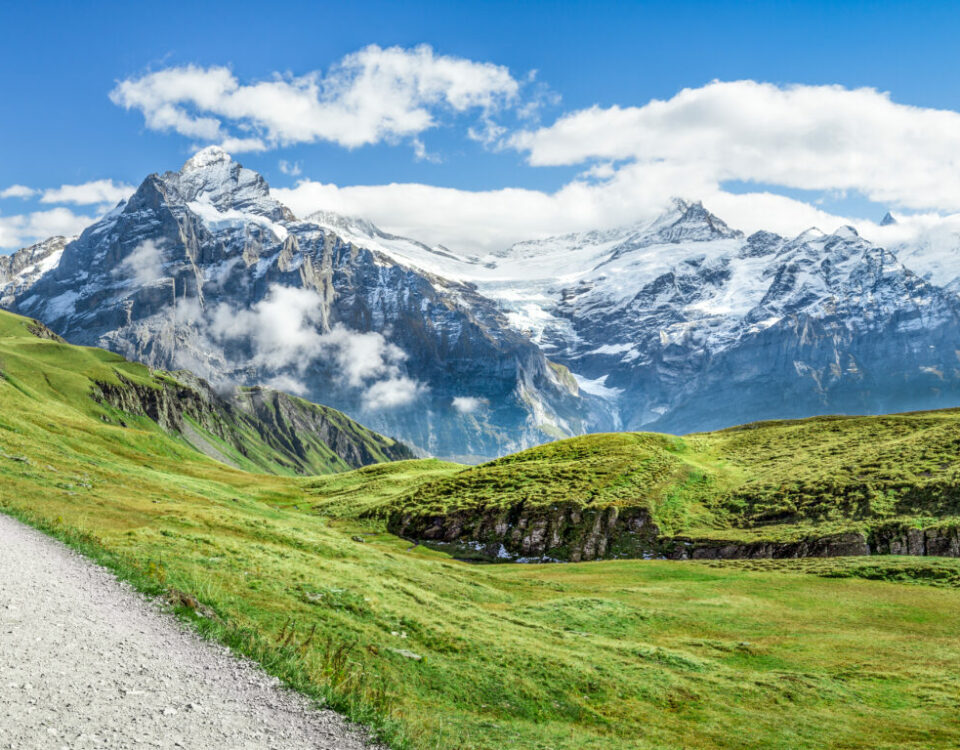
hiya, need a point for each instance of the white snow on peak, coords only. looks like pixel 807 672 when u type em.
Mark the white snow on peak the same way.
pixel 206 157
pixel 597 387
pixel 846 232
pixel 407 252
pixel 218 219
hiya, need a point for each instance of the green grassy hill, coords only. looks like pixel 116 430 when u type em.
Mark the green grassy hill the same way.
pixel 257 429
pixel 437 653
pixel 773 482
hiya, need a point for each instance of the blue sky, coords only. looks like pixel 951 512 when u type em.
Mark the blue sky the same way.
pixel 60 62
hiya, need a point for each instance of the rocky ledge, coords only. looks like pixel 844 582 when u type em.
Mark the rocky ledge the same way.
pixel 558 532
pixel 573 534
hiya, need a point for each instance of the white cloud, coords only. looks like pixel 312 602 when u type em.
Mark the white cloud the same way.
pixel 820 138
pixel 484 221
pixel 293 169
pixel 88 193
pixel 144 264
pixel 468 404
pixel 362 356
pixel 282 327
pixel 17 191
pixel 285 331
pixel 808 137
pixel 369 96
pixel 391 393
pixel 20 230
pixel 287 384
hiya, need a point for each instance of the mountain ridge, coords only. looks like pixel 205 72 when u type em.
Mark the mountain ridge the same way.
pixel 676 323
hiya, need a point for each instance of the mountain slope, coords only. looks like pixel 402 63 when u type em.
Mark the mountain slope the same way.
pixel 254 429
pixel 201 269
pixel 677 324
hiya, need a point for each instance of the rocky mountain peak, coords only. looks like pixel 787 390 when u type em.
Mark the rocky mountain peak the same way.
pixel 206 157
pixel 21 269
pixel 696 223
pixel 212 177
pixel 888 219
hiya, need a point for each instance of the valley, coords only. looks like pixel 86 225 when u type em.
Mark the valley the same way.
pixel 301 574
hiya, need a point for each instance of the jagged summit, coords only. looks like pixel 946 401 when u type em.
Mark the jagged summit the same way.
pixel 888 220
pixel 697 223
pixel 846 232
pixel 206 157
pixel 211 177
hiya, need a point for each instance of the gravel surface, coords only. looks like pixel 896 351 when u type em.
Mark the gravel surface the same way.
pixel 86 662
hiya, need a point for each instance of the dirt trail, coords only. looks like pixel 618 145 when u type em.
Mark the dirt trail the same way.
pixel 86 662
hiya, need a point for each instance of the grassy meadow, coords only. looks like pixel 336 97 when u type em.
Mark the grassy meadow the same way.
pixel 442 655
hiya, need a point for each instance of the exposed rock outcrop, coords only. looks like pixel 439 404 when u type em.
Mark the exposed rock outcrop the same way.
pixel 832 545
pixel 299 436
pixel 573 534
pixel 561 532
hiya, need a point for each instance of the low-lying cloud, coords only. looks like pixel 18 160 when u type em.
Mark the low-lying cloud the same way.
pixel 144 264
pixel 285 331
pixel 468 404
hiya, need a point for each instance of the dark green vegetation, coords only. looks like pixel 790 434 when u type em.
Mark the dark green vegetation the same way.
pixel 257 429
pixel 821 486
pixel 613 655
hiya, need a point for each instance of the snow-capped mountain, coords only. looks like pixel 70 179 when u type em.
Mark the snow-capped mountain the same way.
pixel 22 269
pixel 201 269
pixel 682 323
pixel 678 323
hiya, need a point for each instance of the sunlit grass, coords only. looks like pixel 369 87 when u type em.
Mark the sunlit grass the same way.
pixel 443 655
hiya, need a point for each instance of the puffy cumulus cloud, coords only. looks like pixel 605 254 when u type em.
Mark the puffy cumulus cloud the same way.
pixel 468 404
pixel 819 138
pixel 20 230
pixel 286 332
pixel 88 193
pixel 808 137
pixel 369 96
pixel 17 191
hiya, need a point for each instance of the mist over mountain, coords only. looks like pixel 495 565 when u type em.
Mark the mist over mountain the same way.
pixel 680 323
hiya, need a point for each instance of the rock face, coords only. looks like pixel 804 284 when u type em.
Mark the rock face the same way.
pixel 273 431
pixel 21 270
pixel 562 532
pixel 683 324
pixel 901 539
pixel 833 545
pixel 575 534
pixel 201 269
pixel 676 324
pixel 695 330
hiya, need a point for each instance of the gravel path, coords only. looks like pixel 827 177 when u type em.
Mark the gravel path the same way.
pixel 86 662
